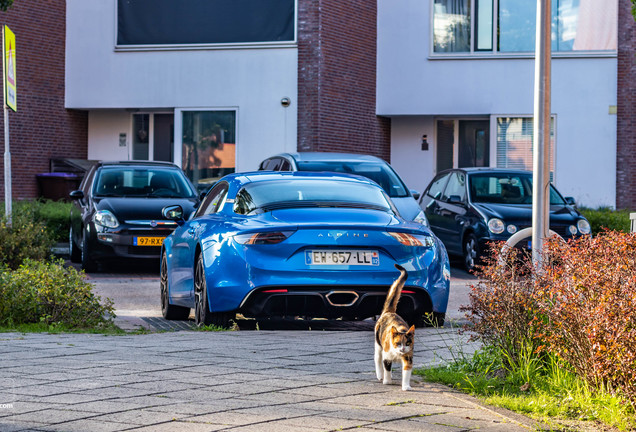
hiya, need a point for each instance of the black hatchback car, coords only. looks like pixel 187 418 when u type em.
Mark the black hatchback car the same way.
pixel 117 210
pixel 468 207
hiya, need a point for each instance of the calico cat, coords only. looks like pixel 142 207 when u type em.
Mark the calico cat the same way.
pixel 393 337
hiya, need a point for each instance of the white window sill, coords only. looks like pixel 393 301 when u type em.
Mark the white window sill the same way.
pixel 196 47
pixel 524 55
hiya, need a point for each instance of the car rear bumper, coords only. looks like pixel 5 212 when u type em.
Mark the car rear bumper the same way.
pixel 350 302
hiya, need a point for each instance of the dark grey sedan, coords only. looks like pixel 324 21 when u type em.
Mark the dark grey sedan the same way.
pixel 468 207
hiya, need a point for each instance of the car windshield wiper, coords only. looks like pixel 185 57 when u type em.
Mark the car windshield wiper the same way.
pixel 155 195
pixel 316 204
pixel 110 195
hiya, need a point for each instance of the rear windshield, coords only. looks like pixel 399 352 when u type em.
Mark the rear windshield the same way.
pixel 142 182
pixel 506 189
pixel 380 173
pixel 261 197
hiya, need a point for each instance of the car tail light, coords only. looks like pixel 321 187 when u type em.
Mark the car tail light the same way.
pixel 281 291
pixel 262 237
pixel 408 292
pixel 412 239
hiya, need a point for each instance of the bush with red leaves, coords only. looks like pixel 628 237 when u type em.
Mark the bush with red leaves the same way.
pixel 581 307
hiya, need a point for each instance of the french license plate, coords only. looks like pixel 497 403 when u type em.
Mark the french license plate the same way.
pixel 148 241
pixel 342 257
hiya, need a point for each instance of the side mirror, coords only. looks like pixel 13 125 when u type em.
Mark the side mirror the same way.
pixel 77 195
pixel 570 201
pixel 454 199
pixel 416 194
pixel 173 213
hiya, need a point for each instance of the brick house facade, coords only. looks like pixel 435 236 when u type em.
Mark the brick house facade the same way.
pixel 626 109
pixel 337 43
pixel 336 78
pixel 42 128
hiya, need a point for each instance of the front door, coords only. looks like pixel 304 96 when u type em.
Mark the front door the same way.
pixel 153 137
pixel 474 143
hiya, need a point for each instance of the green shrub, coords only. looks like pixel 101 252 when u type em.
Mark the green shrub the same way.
pixel 24 239
pixel 606 218
pixel 51 293
pixel 54 214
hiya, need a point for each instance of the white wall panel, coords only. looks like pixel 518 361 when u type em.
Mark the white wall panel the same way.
pixel 252 80
pixel 411 83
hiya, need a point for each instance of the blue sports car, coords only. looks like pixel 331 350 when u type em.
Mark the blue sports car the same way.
pixel 298 244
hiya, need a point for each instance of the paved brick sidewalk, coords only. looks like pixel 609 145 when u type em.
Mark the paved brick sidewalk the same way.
pixel 235 381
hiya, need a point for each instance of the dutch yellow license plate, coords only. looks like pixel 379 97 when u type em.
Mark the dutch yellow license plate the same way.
pixel 148 241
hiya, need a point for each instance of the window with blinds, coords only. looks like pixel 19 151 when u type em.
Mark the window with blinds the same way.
pixel 514 143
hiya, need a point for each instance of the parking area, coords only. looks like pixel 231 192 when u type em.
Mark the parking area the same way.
pixel 134 289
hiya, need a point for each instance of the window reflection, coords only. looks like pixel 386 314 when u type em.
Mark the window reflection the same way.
pixel 577 25
pixel 451 25
pixel 209 145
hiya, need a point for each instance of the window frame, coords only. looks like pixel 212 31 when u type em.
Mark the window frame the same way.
pixel 203 46
pixel 440 176
pixel 495 53
pixel 493 140
pixel 446 197
pixel 216 190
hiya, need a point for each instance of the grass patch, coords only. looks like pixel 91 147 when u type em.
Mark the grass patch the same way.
pixel 214 328
pixel 550 393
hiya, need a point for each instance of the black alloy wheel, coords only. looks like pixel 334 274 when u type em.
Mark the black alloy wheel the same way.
pixel 169 311
pixel 74 251
pixel 202 314
pixel 471 252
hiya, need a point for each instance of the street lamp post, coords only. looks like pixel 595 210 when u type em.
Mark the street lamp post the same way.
pixel 541 138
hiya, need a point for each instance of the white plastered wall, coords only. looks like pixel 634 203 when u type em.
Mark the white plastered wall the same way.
pixel 414 87
pixel 107 82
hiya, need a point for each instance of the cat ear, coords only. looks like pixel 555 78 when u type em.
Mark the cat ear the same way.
pixel 411 330
pixel 393 330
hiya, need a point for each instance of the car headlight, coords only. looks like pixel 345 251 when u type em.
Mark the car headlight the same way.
pixel 106 219
pixel 583 226
pixel 496 226
pixel 511 229
pixel 572 229
pixel 421 218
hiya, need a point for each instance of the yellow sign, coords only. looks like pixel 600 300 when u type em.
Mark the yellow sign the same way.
pixel 8 66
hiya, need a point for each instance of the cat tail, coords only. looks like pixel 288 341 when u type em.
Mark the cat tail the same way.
pixel 392 298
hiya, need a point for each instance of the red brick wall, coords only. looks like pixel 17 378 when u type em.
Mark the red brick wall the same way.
pixel 337 78
pixel 626 99
pixel 42 128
